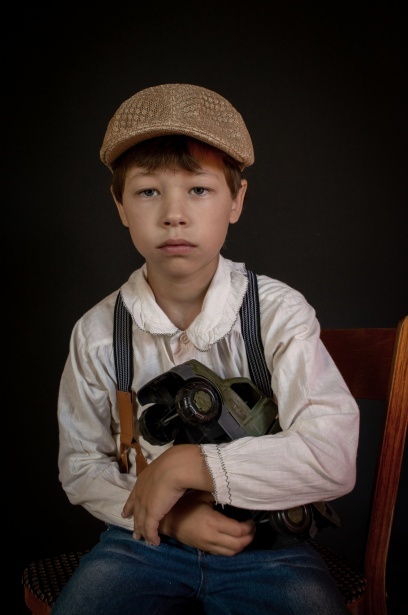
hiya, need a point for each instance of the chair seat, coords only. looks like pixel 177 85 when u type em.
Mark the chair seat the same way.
pixel 351 583
pixel 44 579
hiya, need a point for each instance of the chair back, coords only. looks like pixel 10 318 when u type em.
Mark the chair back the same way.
pixel 374 364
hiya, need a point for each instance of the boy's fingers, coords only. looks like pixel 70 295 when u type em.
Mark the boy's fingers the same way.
pixel 128 507
pixel 147 527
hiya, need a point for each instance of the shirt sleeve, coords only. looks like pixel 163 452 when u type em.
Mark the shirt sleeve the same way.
pixel 89 430
pixel 313 458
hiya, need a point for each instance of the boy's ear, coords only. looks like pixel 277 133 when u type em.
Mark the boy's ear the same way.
pixel 238 203
pixel 121 210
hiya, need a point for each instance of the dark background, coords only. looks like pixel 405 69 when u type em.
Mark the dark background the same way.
pixel 322 89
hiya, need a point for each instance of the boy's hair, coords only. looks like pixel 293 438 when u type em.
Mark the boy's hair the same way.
pixel 171 152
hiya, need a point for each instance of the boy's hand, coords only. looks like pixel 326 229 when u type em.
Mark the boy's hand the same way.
pixel 162 484
pixel 194 522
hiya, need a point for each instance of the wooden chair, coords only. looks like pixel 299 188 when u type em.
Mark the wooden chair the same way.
pixel 374 363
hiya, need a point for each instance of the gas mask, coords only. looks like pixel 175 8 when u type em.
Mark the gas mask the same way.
pixel 192 404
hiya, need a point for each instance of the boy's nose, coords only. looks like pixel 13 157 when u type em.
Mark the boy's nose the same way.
pixel 174 214
pixel 174 221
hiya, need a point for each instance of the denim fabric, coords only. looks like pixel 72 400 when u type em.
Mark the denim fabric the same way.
pixel 123 576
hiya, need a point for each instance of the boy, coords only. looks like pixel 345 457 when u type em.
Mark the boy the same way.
pixel 177 153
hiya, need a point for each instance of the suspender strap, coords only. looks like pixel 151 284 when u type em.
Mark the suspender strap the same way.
pixel 122 345
pixel 127 404
pixel 251 331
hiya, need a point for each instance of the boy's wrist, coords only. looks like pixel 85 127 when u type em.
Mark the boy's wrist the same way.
pixel 188 468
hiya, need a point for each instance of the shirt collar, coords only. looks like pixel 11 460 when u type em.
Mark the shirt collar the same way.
pixel 219 311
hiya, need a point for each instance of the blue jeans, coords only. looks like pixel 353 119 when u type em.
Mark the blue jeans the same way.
pixel 121 575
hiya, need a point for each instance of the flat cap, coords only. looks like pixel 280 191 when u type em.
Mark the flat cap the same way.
pixel 173 109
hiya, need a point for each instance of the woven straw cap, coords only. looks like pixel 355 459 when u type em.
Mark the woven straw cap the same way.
pixel 173 109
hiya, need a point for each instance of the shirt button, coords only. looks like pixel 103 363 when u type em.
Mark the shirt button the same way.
pixel 184 339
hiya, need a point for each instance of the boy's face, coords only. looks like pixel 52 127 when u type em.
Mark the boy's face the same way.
pixel 178 221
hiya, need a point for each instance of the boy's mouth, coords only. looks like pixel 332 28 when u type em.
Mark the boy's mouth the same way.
pixel 176 246
pixel 176 242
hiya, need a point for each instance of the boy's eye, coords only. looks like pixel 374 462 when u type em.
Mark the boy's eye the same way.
pixel 199 190
pixel 148 192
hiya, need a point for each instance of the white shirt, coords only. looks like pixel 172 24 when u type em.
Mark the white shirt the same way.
pixel 312 459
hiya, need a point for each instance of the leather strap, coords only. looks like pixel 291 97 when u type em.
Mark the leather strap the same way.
pixel 129 438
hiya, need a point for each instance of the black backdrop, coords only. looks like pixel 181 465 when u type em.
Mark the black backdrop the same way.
pixel 322 91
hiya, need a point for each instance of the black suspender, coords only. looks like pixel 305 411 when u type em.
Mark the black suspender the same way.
pixel 122 345
pixel 251 331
